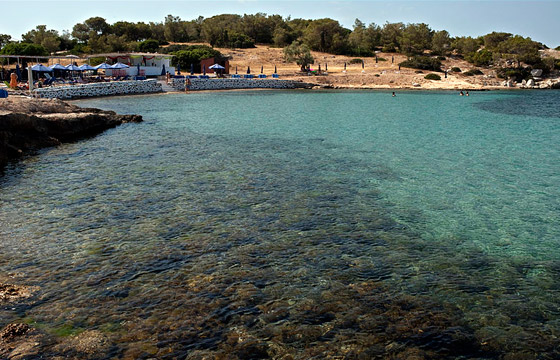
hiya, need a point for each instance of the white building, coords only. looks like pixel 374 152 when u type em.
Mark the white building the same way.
pixel 140 64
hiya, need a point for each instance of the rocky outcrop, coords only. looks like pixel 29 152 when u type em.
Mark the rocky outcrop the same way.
pixel 30 124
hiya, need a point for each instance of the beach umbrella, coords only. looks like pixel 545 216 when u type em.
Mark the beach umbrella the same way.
pixel 376 59
pixel 163 69
pixel 120 65
pixel 72 67
pixel 217 67
pixel 363 64
pixel 319 68
pixel 178 69
pixel 248 70
pixel 18 72
pixel 204 70
pixel 275 69
pixel 262 68
pixel 86 67
pixel 40 67
pixel 326 66
pixel 345 66
pixel 103 66
pixel 236 70
pixel 57 66
pixel 392 59
pixel 138 69
pixel 192 69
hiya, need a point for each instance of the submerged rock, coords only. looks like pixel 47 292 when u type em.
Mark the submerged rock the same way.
pixel 30 124
pixel 11 292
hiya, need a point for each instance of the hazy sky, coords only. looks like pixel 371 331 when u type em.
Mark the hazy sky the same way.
pixel 538 19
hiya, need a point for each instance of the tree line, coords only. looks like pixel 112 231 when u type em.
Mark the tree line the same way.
pixel 95 35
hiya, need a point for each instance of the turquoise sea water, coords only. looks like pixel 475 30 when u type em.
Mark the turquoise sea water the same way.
pixel 304 224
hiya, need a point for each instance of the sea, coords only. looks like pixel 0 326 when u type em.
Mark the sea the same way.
pixel 294 225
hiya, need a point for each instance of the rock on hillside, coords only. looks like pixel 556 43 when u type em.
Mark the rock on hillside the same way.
pixel 30 124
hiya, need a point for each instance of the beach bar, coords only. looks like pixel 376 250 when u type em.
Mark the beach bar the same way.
pixel 139 64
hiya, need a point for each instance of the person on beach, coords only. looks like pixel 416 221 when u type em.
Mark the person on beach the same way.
pixel 187 84
pixel 394 94
pixel 467 94
pixel 461 93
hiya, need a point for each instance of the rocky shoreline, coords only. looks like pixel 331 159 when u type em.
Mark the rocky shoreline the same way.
pixel 27 124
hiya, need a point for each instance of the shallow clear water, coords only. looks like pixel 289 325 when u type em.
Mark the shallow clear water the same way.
pixel 262 224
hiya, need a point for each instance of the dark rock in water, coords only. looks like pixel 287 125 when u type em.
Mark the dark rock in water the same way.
pixel 30 124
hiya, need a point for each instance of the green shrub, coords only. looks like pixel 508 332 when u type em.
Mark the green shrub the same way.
pixel 381 59
pixel 432 77
pixel 192 55
pixel 422 62
pixel 480 58
pixel 355 61
pixel 23 49
pixel 557 48
pixel 376 75
pixel 455 69
pixel 473 72
pixel 149 45
pixel 517 73
pixel 96 60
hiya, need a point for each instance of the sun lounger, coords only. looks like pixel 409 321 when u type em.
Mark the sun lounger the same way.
pixel 248 76
pixel 275 76
pixel 262 76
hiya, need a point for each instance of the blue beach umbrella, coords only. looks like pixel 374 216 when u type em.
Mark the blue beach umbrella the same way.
pixel 72 67
pixel 204 70
pixel 178 69
pixel 57 66
pixel 192 69
pixel 120 65
pixel 262 69
pixel 86 67
pixel 18 72
pixel 103 66
pixel 248 70
pixel 40 67
pixel 138 68
pixel 163 69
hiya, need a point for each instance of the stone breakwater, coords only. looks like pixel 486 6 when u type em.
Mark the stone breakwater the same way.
pixel 230 84
pixel 27 124
pixel 100 89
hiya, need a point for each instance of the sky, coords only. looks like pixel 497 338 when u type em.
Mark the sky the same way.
pixel 536 19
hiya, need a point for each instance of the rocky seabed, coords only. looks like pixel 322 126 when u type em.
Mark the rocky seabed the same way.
pixel 227 84
pixel 100 89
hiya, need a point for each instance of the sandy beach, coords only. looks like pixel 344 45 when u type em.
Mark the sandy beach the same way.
pixel 384 74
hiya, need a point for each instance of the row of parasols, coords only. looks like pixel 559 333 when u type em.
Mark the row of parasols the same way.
pixel 72 67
